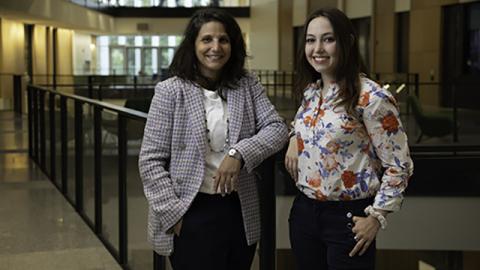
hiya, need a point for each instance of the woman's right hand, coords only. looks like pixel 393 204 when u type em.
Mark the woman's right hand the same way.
pixel 291 158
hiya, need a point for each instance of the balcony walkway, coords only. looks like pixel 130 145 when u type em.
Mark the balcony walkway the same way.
pixel 39 229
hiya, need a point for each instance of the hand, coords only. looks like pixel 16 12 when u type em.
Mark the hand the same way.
pixel 291 158
pixel 176 228
pixel 365 231
pixel 227 174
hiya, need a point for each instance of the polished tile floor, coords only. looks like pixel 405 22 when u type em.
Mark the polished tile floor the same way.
pixel 39 229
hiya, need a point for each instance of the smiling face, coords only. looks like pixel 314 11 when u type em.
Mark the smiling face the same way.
pixel 321 47
pixel 212 48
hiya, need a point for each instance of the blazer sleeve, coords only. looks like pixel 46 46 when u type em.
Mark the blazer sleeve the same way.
pixel 155 156
pixel 271 131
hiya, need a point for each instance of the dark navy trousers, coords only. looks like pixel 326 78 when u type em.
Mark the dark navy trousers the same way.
pixel 212 236
pixel 321 234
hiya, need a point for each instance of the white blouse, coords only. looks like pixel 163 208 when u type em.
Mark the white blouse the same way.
pixel 216 114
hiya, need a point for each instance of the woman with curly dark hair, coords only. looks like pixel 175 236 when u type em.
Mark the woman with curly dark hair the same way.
pixel 208 127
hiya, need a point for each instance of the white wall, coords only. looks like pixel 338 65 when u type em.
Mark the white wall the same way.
pixel 358 8
pixel 300 10
pixel 264 37
pixel 82 53
pixel 12 58
pixel 402 5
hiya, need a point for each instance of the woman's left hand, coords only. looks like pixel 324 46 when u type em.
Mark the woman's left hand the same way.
pixel 365 230
pixel 227 174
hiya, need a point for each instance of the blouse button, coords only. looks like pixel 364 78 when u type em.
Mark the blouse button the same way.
pixel 349 225
pixel 349 215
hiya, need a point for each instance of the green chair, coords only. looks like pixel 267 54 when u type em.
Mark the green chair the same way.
pixel 432 124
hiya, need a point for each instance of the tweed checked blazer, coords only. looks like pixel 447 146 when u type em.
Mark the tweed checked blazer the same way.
pixel 172 156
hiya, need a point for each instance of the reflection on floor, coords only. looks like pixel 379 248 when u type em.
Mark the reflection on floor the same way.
pixel 38 228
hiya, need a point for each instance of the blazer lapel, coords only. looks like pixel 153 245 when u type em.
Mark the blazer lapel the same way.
pixel 196 112
pixel 235 104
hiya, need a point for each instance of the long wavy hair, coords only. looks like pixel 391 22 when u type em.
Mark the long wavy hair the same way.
pixel 185 62
pixel 349 63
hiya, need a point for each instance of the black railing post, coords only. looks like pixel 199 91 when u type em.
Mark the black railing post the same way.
pixel 417 83
pixel 292 87
pixel 135 82
pixel 275 85
pixel 30 120
pixel 51 110
pixel 90 86
pixel 455 112
pixel 41 107
pixel 55 56
pixel 100 92
pixel 79 156
pixel 267 214
pixel 97 130
pixel 408 93
pixel 64 142
pixel 266 82
pixel 35 125
pixel 17 94
pixel 122 188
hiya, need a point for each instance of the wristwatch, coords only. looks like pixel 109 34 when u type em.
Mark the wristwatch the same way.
pixel 234 154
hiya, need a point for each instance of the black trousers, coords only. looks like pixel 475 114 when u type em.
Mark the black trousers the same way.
pixel 321 234
pixel 212 236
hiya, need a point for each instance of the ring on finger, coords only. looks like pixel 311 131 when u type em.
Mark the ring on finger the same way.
pixel 356 238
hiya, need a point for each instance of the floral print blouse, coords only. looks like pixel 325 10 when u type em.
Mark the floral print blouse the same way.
pixel 344 158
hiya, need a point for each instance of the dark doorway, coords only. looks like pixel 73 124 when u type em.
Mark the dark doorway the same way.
pixel 461 55
pixel 362 27
pixel 402 40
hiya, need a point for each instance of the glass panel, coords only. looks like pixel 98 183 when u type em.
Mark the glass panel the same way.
pixel 103 67
pixel 47 133
pixel 118 60
pixel 155 41
pixel 110 177
pixel 88 162
pixel 139 251
pixel 166 56
pixel 71 149
pixel 131 40
pixel 473 37
pixel 147 40
pixel 113 40
pixel 147 61
pixel 58 142
pixel 163 40
pixel 155 61
pixel 133 61
pixel 122 40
